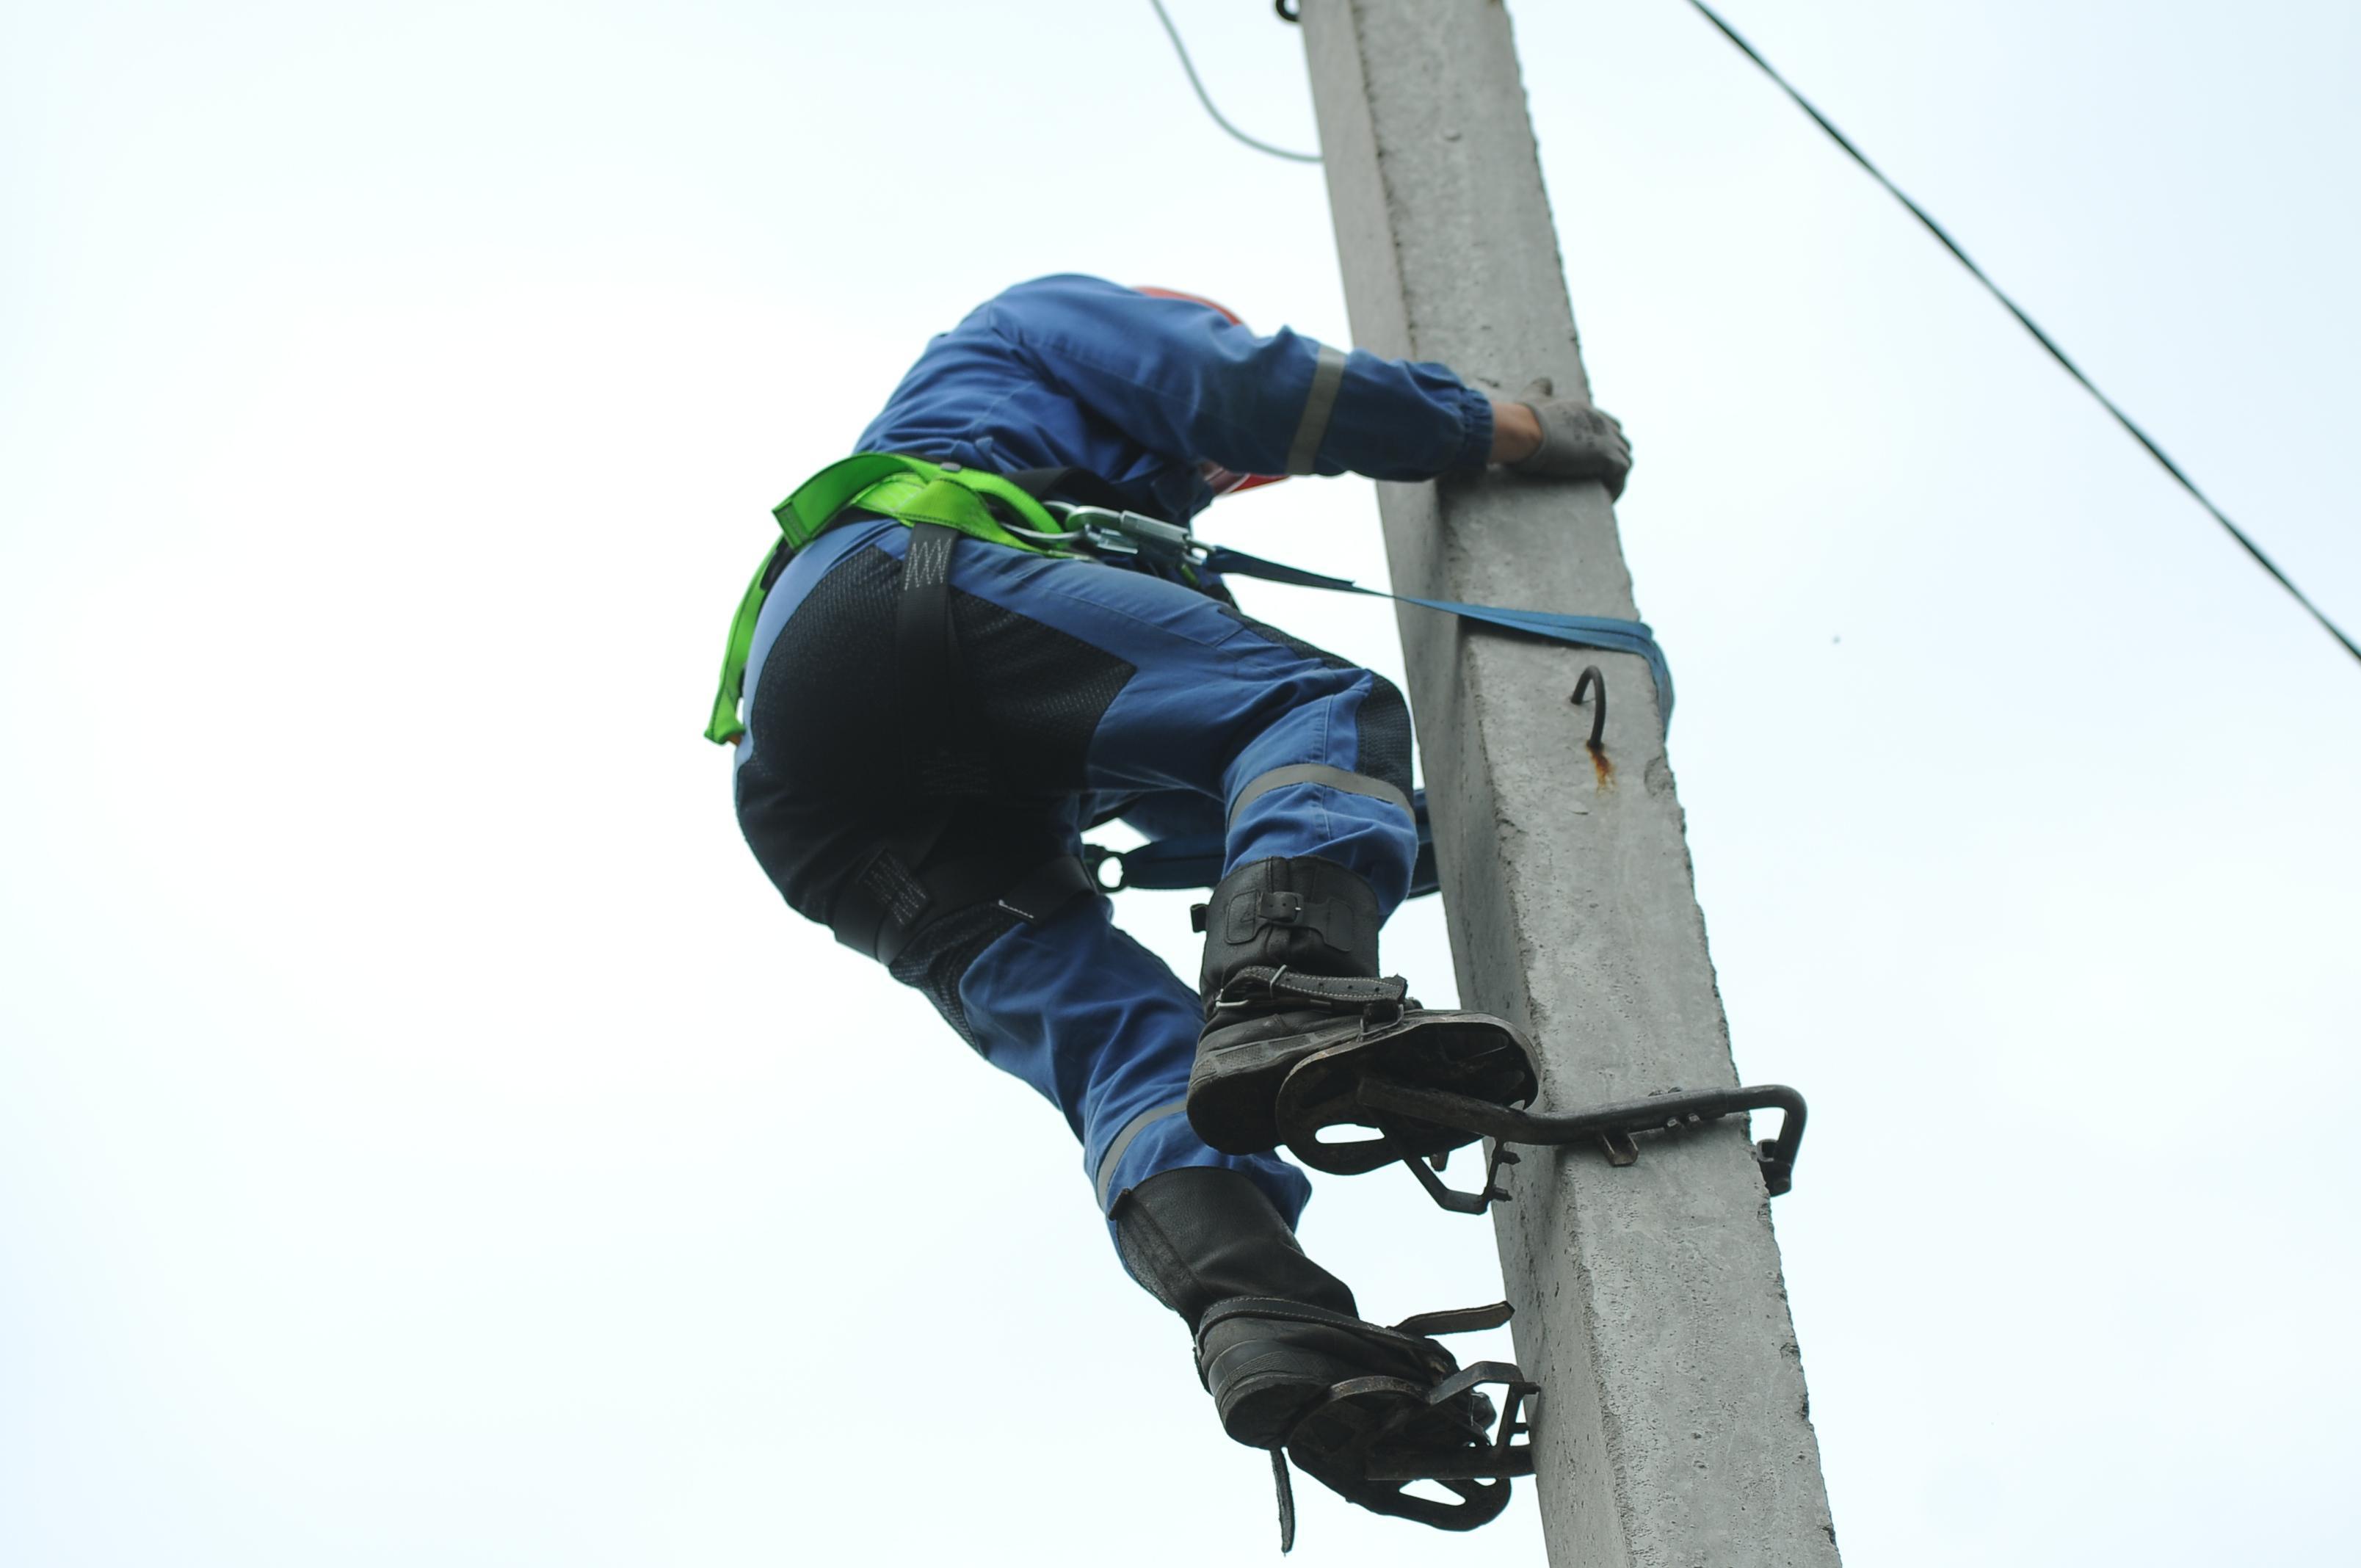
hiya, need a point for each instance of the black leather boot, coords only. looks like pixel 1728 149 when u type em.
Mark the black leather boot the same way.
pixel 1303 916
pixel 1203 1235
pixel 1289 1365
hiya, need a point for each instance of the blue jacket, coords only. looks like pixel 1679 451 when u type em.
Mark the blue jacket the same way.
pixel 1071 371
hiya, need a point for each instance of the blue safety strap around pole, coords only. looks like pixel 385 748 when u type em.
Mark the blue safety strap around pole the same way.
pixel 1580 631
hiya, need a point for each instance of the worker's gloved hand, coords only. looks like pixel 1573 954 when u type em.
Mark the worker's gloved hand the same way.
pixel 1578 441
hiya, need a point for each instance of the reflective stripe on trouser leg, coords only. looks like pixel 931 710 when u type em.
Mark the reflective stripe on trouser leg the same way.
pixel 1302 788
pixel 1320 774
pixel 1113 1158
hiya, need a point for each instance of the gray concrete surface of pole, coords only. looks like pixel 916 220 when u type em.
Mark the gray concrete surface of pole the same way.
pixel 1673 1428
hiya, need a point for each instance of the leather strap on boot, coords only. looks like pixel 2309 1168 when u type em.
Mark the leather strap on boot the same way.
pixel 1301 912
pixel 1380 1000
pixel 1414 1352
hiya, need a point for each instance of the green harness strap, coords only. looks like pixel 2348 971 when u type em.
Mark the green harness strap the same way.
pixel 908 489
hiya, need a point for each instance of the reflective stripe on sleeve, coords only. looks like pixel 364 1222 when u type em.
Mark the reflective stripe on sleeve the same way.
pixel 1327 376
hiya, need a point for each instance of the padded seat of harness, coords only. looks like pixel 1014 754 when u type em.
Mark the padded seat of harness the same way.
pixel 828 779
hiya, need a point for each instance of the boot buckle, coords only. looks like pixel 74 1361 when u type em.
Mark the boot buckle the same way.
pixel 1280 909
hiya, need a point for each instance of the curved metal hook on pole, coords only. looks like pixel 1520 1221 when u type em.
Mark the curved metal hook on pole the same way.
pixel 1285 14
pixel 1594 685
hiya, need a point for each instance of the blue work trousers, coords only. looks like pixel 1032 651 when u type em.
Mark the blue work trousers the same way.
pixel 1141 698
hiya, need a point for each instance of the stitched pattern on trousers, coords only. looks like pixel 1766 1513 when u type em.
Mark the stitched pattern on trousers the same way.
pixel 940 956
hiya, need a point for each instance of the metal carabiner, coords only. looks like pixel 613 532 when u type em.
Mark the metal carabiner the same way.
pixel 1127 533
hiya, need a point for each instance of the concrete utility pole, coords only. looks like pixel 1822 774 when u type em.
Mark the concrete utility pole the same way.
pixel 1672 1427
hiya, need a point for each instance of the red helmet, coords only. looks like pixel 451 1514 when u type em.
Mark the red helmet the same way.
pixel 1215 306
pixel 1220 480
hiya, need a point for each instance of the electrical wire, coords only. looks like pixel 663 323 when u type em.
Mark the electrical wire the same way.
pixel 1186 64
pixel 2039 336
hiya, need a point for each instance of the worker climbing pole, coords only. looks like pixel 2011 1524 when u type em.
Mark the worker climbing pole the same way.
pixel 990 628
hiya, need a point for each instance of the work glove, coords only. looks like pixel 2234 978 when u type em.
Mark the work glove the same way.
pixel 1578 442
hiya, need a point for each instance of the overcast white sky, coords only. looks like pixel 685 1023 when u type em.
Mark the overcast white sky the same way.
pixel 424 1138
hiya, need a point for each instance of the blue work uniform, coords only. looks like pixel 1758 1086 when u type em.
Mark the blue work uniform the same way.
pixel 1098 691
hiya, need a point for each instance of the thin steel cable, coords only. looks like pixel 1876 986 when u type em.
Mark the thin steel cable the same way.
pixel 1186 64
pixel 2039 336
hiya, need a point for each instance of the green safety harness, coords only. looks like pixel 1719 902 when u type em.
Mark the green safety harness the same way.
pixel 911 491
pixel 931 497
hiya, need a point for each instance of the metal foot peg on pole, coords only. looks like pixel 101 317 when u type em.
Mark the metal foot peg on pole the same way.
pixel 1418 1125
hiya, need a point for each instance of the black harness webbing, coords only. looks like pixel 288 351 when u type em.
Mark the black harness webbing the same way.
pixel 917 877
pixel 942 749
